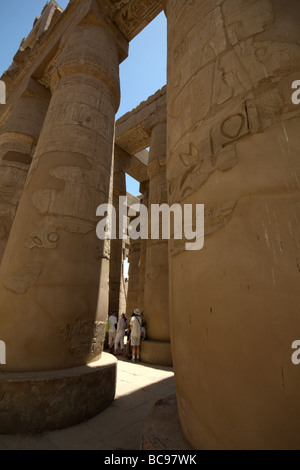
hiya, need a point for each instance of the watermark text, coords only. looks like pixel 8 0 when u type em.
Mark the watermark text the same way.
pixel 296 354
pixel 136 223
pixel 296 94
pixel 2 353
pixel 2 92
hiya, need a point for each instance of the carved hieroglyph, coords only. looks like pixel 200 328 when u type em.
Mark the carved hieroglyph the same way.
pixel 18 139
pixel 233 145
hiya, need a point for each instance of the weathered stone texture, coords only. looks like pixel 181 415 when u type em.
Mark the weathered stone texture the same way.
pixel 132 133
pixel 233 145
pixel 133 277
pixel 53 251
pixel 156 295
pixel 162 429
pixel 19 134
pixel 45 401
pixel 116 276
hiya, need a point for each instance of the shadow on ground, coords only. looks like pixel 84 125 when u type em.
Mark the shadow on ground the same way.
pixel 119 427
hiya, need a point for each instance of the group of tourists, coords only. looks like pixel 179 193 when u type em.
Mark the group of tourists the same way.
pixel 119 330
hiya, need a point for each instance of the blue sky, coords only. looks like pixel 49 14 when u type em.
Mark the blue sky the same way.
pixel 142 74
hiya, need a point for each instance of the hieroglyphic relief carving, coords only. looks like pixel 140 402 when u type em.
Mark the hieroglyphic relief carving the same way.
pixel 229 130
pixel 73 208
pixel 91 117
pixel 211 30
pixel 132 14
pixel 44 236
pixel 246 19
pixel 215 150
pixel 216 217
pixel 83 337
pixel 21 281
pixel 241 63
pixel 189 159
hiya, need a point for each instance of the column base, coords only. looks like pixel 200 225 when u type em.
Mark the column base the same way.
pixel 36 402
pixel 157 353
pixel 162 429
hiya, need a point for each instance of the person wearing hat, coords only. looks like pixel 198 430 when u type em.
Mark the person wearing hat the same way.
pixel 135 327
pixel 122 325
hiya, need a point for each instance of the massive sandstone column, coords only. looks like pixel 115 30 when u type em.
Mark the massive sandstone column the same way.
pixel 233 145
pixel 133 276
pixel 116 282
pixel 55 272
pixel 157 348
pixel 144 189
pixel 18 139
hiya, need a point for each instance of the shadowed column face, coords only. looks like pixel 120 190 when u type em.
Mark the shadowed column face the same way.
pixel 157 348
pixel 54 276
pixel 142 279
pixel 233 145
pixel 18 139
pixel 116 282
pixel 156 295
pixel 134 276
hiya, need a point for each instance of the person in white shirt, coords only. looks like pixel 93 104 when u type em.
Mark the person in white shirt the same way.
pixel 135 326
pixel 122 325
pixel 112 320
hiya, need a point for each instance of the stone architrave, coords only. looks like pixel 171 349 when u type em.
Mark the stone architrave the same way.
pixel 18 138
pixel 54 278
pixel 233 145
pixel 157 348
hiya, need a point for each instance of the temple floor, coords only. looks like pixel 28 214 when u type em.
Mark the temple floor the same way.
pixel 119 427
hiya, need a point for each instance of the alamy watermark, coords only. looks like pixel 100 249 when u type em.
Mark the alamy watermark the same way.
pixel 2 353
pixel 296 354
pixel 296 94
pixel 134 222
pixel 2 92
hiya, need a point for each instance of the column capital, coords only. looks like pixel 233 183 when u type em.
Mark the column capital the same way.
pixel 92 49
pixel 156 119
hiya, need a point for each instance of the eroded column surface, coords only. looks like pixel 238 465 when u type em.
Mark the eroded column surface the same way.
pixel 18 139
pixel 157 348
pixel 233 145
pixel 116 276
pixel 133 277
pixel 55 272
pixel 144 188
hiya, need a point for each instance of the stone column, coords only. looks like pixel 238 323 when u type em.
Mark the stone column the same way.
pixel 144 189
pixel 233 145
pixel 55 272
pixel 18 139
pixel 116 283
pixel 157 348
pixel 133 276
pixel 123 288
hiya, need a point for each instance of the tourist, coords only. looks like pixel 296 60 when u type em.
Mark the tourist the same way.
pixel 122 325
pixel 113 323
pixel 135 326
pixel 128 342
